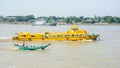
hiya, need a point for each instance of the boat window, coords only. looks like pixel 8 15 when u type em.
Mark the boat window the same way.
pixel 73 35
pixel 23 35
pixel 80 35
pixel 77 35
pixel 50 36
pixel 68 35
pixel 65 35
pixel 32 35
pixel 58 35
pixel 43 36
pixel 54 36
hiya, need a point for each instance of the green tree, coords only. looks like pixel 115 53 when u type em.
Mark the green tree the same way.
pixel 29 17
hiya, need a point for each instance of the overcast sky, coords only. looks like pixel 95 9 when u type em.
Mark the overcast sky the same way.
pixel 87 8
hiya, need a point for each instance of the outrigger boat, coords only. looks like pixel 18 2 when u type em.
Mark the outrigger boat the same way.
pixel 73 34
pixel 31 47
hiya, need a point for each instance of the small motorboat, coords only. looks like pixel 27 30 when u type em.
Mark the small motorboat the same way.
pixel 31 47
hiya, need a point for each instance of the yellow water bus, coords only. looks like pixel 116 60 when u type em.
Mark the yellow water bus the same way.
pixel 73 34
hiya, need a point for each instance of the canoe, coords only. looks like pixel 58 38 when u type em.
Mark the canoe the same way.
pixel 31 47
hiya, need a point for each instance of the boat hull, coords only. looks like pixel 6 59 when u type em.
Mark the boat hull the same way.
pixel 31 47
pixel 57 39
pixel 73 34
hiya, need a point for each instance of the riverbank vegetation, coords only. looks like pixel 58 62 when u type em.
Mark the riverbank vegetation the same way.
pixel 29 19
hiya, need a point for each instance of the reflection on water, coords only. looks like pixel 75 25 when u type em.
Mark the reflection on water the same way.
pixel 103 53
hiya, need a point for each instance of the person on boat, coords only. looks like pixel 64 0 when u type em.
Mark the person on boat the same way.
pixel 23 43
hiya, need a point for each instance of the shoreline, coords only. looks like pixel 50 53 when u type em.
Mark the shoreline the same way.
pixel 116 24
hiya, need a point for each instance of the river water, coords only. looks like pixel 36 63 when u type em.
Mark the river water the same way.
pixel 103 53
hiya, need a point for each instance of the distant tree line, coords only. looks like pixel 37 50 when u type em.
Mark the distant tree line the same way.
pixel 67 20
pixel 20 19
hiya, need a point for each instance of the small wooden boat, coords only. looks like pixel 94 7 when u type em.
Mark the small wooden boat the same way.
pixel 31 47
